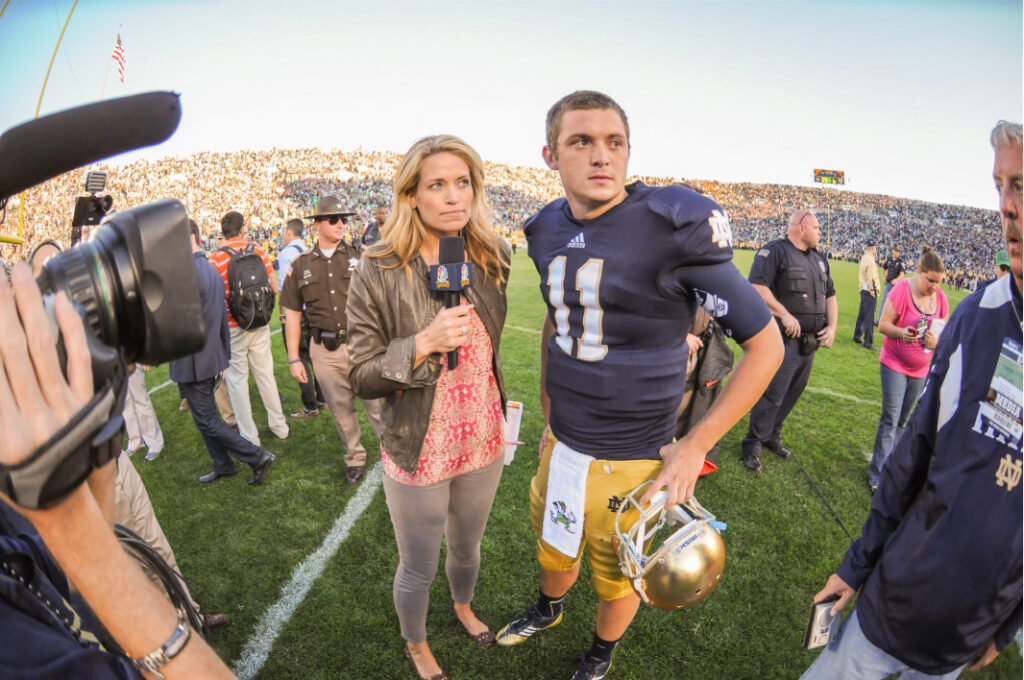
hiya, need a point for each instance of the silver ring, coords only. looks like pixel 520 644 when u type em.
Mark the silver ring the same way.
pixel 463 330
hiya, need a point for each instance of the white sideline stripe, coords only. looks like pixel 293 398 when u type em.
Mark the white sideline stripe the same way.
pixel 168 383
pixel 824 390
pixel 257 647
pixel 525 330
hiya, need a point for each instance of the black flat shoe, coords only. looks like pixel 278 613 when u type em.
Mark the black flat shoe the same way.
pixel 214 476
pixel 484 639
pixel 260 470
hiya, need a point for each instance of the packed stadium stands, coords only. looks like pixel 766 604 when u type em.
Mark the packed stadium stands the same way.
pixel 269 187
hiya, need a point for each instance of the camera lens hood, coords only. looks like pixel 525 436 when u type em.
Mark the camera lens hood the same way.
pixel 158 284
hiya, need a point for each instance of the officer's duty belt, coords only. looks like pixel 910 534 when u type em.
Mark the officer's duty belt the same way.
pixel 331 340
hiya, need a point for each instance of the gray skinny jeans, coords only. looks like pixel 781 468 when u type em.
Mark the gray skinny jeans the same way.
pixel 456 509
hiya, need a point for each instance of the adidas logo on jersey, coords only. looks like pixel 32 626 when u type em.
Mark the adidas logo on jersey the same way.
pixel 577 241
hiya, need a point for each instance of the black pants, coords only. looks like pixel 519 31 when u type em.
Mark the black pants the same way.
pixel 865 319
pixel 310 391
pixel 778 400
pixel 220 439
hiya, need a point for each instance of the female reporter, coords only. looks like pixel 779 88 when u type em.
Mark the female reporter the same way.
pixel 442 434
pixel 908 323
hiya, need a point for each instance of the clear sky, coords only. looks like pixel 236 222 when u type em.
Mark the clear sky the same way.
pixel 899 95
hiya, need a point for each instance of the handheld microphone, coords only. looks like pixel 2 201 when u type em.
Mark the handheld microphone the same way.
pixel 35 151
pixel 451 276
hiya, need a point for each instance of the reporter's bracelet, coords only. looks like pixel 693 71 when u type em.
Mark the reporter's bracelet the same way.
pixel 294 361
pixel 163 654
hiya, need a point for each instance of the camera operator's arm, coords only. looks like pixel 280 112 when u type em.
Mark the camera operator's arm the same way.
pixel 101 485
pixel 35 403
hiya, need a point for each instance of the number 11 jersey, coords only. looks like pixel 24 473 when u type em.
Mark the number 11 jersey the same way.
pixel 621 291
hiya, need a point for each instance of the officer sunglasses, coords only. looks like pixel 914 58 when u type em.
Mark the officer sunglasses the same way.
pixel 334 219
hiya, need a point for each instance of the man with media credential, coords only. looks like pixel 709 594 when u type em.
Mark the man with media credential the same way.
pixel 939 562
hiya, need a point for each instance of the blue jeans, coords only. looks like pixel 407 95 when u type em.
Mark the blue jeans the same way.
pixel 881 302
pixel 899 394
pixel 221 441
pixel 853 657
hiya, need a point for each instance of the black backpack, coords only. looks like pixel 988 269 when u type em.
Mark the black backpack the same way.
pixel 250 297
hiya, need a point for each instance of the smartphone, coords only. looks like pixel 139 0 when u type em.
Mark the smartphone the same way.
pixel 823 626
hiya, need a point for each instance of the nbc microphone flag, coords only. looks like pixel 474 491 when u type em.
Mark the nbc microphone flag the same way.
pixel 118 56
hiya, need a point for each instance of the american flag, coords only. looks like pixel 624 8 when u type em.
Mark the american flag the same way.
pixel 118 56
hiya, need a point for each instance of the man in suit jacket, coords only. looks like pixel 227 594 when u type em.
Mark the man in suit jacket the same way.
pixel 197 377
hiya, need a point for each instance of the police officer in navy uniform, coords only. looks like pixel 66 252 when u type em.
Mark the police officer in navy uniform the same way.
pixel 317 286
pixel 794 280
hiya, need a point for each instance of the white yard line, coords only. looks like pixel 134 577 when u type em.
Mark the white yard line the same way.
pixel 536 331
pixel 257 647
pixel 166 383
pixel 840 395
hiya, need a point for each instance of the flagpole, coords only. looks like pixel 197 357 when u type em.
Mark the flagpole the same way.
pixel 107 72
pixel 6 2
pixel 39 105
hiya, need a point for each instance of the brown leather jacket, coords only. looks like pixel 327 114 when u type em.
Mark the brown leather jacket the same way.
pixel 385 312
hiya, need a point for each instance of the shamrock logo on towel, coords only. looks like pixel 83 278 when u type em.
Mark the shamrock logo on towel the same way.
pixel 562 515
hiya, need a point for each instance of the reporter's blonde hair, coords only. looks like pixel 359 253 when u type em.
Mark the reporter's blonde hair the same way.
pixel 404 232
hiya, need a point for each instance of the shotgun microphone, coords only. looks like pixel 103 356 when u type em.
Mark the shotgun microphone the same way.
pixel 35 151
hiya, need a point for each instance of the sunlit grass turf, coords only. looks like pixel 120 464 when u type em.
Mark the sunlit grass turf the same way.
pixel 237 545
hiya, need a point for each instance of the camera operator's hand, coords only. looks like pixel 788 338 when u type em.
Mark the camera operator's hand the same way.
pixel 35 399
pixel 35 402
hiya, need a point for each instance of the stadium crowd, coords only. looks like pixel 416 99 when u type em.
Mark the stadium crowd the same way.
pixel 386 344
pixel 272 186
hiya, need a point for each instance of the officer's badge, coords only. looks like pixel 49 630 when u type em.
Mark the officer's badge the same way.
pixel 821 265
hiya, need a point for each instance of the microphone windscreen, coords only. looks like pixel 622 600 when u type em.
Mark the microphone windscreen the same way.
pixel 452 250
pixel 40 149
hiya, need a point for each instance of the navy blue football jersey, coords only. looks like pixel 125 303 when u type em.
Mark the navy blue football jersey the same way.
pixel 621 291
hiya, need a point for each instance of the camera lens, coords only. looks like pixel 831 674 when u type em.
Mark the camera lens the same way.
pixel 134 283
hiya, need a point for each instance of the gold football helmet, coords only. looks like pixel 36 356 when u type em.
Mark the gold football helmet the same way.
pixel 686 566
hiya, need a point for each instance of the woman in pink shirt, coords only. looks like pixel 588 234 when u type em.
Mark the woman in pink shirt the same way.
pixel 914 314
pixel 442 426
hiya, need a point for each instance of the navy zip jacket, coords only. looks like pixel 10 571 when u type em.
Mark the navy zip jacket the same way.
pixel 213 358
pixel 939 560
pixel 45 630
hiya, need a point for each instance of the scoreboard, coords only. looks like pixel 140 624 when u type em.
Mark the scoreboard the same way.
pixel 829 176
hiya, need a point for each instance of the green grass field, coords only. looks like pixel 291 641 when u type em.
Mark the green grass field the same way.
pixel 238 546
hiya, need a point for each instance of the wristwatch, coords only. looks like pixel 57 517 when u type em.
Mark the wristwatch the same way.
pixel 162 655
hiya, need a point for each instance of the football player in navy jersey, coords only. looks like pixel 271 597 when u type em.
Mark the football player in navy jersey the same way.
pixel 622 269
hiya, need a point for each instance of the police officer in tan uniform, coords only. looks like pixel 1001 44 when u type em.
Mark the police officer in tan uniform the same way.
pixel 318 286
